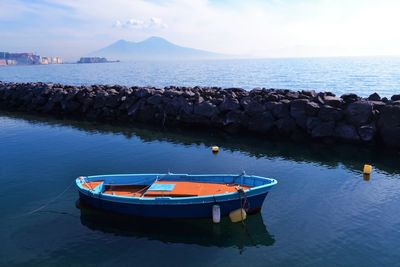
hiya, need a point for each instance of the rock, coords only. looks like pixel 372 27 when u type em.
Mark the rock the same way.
pixel 229 104
pixel 278 109
pixel 112 101
pixel 155 99
pixel 395 97
pixel 323 129
pixel 346 132
pixel 285 125
pixel 100 99
pixel 389 125
pixel 358 113
pixel 292 95
pixel 144 92
pixel 320 98
pixel 312 109
pixel 367 132
pixel 310 93
pixel 378 105
pixel 333 101
pixel 280 112
pixel 134 109
pixel 350 98
pixel 261 123
pixel 311 123
pixel 297 108
pixel 328 113
pixel 253 107
pixel 272 97
pixel 236 117
pixel 206 109
pixel 374 97
pixel 72 106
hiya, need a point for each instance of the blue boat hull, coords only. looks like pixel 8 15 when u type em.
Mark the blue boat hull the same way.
pixel 165 206
pixel 193 210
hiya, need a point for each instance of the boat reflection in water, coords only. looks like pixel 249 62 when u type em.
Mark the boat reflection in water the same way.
pixel 201 232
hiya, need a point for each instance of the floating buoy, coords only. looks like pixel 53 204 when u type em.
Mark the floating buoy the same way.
pixel 367 169
pixel 216 214
pixel 215 149
pixel 238 215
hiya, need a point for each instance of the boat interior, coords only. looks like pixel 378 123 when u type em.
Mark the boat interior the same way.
pixel 168 186
pixel 173 189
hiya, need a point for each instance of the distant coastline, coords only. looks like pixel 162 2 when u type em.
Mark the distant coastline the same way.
pixel 93 60
pixel 27 58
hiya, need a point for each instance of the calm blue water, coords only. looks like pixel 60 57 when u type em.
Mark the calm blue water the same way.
pixel 322 212
pixel 339 75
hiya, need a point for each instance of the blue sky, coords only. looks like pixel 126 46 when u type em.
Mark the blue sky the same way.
pixel 254 28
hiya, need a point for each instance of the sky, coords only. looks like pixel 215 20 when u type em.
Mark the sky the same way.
pixel 251 28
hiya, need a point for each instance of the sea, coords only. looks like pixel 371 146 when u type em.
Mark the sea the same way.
pixel 360 75
pixel 323 211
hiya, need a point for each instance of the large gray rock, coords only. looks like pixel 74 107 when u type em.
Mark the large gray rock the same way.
pixel 359 112
pixel 298 108
pixel 346 132
pixel 278 109
pixel 395 97
pixel 155 99
pixel 328 113
pixel 236 117
pixel 312 108
pixel 298 112
pixel 144 92
pixel 389 125
pixel 229 104
pixel 333 101
pixel 318 128
pixel 350 98
pixel 206 109
pixel 136 107
pixel 262 122
pixel 367 132
pixel 374 97
pixel 285 126
pixel 253 106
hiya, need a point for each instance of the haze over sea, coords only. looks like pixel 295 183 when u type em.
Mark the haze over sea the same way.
pixel 360 75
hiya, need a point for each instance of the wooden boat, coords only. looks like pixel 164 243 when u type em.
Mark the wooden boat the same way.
pixel 174 195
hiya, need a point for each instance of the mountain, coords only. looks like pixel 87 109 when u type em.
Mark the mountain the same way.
pixel 153 48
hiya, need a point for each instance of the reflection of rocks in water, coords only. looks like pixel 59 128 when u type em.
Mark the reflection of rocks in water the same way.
pixel 351 156
pixel 202 232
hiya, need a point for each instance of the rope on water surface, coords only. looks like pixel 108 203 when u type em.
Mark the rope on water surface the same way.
pixel 51 201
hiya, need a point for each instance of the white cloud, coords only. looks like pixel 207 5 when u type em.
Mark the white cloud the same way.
pixel 152 23
pixel 117 24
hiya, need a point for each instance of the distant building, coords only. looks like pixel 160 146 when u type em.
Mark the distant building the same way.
pixel 28 59
pixel 11 62
pixel 44 60
pixel 56 60
pixel 3 62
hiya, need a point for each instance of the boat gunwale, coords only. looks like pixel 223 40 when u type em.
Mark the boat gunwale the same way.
pixel 253 191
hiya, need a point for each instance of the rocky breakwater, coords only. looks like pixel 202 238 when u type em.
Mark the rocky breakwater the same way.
pixel 269 113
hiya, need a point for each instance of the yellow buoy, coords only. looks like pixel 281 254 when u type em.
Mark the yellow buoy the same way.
pixel 215 149
pixel 367 169
pixel 366 177
pixel 238 215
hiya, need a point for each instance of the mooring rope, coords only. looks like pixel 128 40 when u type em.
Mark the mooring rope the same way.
pixel 51 201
